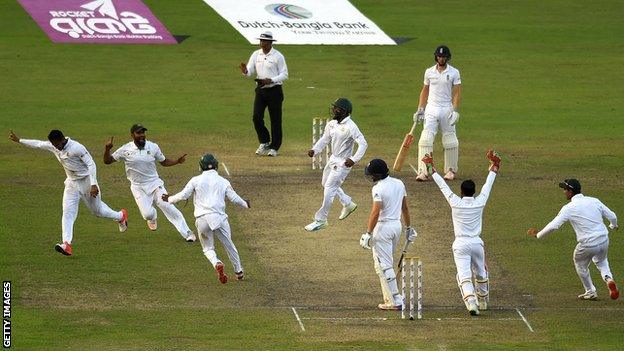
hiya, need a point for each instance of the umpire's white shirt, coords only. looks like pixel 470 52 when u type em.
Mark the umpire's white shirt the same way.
pixel 210 190
pixel 271 65
pixel 141 164
pixel 390 193
pixel 441 85
pixel 343 137
pixel 585 215
pixel 467 212
pixel 75 159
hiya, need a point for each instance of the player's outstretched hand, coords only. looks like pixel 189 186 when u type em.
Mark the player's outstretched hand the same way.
pixel 109 143
pixel 13 137
pixel 532 232
pixel 311 153
pixel 181 159
pixel 165 197
pixel 495 160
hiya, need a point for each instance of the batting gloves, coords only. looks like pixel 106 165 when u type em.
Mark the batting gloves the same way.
pixel 453 117
pixel 419 116
pixel 410 234
pixel 365 241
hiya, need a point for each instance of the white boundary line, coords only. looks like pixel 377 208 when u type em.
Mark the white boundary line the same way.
pixel 525 320
pixel 298 319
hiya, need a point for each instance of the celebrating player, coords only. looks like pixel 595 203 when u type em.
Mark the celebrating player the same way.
pixel 81 183
pixel 210 190
pixel 342 133
pixel 468 252
pixel 585 214
pixel 140 157
pixel 441 95
pixel 384 229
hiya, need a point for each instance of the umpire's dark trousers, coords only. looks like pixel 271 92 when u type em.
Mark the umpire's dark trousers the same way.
pixel 271 98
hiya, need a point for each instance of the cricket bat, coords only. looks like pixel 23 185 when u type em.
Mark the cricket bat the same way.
pixel 404 150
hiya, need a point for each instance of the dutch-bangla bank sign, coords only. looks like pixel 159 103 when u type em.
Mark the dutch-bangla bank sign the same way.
pixel 99 21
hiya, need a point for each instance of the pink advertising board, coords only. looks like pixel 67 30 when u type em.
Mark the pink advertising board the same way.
pixel 99 21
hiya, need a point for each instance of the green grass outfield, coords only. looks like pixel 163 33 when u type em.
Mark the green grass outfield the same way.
pixel 542 83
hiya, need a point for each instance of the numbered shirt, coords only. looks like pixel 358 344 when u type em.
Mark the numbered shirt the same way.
pixel 390 193
pixel 343 137
pixel 140 163
pixel 271 65
pixel 441 85
pixel 75 159
pixel 209 190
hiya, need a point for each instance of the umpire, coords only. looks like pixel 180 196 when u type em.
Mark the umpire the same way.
pixel 270 68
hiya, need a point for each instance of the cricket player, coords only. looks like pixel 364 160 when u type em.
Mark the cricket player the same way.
pixel 438 106
pixel 209 191
pixel 585 215
pixel 342 133
pixel 81 184
pixel 384 229
pixel 140 157
pixel 468 251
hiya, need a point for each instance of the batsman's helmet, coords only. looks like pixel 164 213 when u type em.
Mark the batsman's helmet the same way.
pixel 377 169
pixel 208 162
pixel 443 51
pixel 343 107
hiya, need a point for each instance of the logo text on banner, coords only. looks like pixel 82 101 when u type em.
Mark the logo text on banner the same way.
pixel 99 21
pixel 332 22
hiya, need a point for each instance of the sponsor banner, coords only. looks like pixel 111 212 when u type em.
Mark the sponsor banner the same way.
pixel 99 21
pixel 333 22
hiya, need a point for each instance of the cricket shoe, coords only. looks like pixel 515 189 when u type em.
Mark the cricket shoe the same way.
pixel 123 222
pixel 222 277
pixel 272 153
pixel 190 238
pixel 389 307
pixel 473 309
pixel 262 149
pixel 347 210
pixel 422 177
pixel 64 248
pixel 613 290
pixel 316 225
pixel 588 295
pixel 240 275
pixel 450 175
pixel 152 225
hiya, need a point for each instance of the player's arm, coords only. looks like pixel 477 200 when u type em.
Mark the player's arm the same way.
pixel 361 149
pixel 167 162
pixel 610 215
pixel 555 224
pixel 32 143
pixel 424 95
pixel 405 212
pixel 249 68
pixel 321 143
pixel 456 96
pixel 188 190
pixel 373 216
pixel 235 198
pixel 86 158
pixel 108 158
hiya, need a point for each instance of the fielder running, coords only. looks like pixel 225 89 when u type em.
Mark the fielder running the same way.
pixel 441 95
pixel 81 184
pixel 468 251
pixel 384 229
pixel 140 157
pixel 210 190
pixel 342 133
pixel 585 214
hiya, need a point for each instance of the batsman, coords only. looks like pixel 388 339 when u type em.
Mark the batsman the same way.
pixel 384 229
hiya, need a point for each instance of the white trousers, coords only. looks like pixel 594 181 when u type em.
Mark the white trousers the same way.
pixel 224 234
pixel 334 175
pixel 385 239
pixel 145 201
pixel 76 190
pixel 469 255
pixel 437 117
pixel 584 255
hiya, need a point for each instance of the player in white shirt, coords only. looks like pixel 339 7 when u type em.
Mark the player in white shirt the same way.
pixel 468 250
pixel 585 215
pixel 271 71
pixel 343 134
pixel 438 106
pixel 209 191
pixel 384 229
pixel 80 184
pixel 140 157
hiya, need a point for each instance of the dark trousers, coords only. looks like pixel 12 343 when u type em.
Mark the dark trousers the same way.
pixel 271 98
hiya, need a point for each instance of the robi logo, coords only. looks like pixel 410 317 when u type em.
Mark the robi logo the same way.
pixel 99 17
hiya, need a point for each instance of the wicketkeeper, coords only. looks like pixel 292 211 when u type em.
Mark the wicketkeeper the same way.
pixel 468 250
pixel 384 229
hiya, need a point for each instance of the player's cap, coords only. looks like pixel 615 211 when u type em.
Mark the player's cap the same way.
pixel 268 36
pixel 136 128
pixel 571 184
